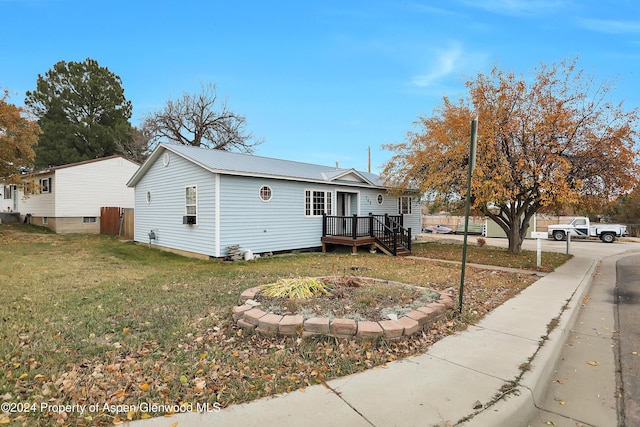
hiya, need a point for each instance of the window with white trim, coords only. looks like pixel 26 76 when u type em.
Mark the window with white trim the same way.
pixel 8 194
pixel 317 203
pixel 380 199
pixel 30 187
pixel 191 200
pixel 89 219
pixel 265 193
pixel 45 185
pixel 404 205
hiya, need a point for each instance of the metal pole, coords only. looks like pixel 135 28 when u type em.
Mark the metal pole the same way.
pixel 472 161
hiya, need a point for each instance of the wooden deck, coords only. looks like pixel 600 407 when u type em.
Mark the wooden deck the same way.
pixel 383 232
pixel 347 241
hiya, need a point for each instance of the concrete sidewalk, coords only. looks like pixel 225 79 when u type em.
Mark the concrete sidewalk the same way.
pixel 461 380
pixel 583 388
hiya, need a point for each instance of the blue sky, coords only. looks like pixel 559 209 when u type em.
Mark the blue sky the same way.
pixel 318 81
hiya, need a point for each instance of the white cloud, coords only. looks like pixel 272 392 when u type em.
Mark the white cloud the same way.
pixel 429 9
pixel 446 62
pixel 611 26
pixel 516 7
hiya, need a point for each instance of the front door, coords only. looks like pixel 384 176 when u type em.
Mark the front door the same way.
pixel 346 207
pixel 14 192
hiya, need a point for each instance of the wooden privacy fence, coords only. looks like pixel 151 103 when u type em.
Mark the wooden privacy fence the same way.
pixel 116 221
pixel 457 222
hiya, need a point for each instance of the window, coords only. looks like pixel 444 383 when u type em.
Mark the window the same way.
pixel 89 219
pixel 317 203
pixel 29 187
pixel 45 185
pixel 190 204
pixel 45 220
pixel 265 193
pixel 404 205
pixel 380 199
pixel 7 192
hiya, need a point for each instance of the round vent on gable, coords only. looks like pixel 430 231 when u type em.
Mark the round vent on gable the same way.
pixel 166 158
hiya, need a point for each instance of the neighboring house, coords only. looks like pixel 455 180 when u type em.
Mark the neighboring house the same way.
pixel 68 198
pixel 9 199
pixel 203 201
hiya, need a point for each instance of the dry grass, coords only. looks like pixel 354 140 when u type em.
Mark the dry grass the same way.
pixel 89 320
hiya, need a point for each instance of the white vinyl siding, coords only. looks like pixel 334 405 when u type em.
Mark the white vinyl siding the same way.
pixel 164 214
pixel 81 190
pixel 279 225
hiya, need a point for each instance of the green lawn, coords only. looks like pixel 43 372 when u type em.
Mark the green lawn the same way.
pixel 93 322
pixel 489 255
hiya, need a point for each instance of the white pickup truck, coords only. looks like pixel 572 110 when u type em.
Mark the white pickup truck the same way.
pixel 579 227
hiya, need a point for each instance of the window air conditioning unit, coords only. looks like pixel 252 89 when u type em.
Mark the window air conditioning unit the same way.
pixel 189 219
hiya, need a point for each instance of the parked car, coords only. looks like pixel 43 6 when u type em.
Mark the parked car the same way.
pixel 441 229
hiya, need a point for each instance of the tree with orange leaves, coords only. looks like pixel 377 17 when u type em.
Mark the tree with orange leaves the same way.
pixel 18 134
pixel 547 142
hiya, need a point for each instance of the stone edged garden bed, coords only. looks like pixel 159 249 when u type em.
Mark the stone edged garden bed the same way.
pixel 251 317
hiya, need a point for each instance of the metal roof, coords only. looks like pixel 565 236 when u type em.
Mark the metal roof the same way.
pixel 225 162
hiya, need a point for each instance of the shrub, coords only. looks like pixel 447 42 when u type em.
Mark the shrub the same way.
pixel 300 287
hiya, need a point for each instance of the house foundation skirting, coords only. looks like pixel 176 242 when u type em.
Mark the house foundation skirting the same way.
pixel 66 224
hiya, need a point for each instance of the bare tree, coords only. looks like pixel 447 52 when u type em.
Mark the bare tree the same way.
pixel 135 148
pixel 200 120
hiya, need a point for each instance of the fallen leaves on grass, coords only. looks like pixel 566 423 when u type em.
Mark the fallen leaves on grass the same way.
pixel 214 366
pixel 137 356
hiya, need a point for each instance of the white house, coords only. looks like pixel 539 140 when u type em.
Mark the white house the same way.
pixel 68 198
pixel 203 201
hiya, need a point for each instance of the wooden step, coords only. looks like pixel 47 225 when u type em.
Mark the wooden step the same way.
pixel 402 252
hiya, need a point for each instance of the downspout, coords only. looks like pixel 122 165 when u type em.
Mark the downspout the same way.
pixel 217 219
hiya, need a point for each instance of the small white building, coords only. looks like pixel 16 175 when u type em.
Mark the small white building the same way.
pixel 68 198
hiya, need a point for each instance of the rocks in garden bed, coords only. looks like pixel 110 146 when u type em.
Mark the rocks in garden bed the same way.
pixel 343 328
pixel 391 329
pixel 253 316
pixel 290 324
pixel 369 330
pixel 250 294
pixel 238 311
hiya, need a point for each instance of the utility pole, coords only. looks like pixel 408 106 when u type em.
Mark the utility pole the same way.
pixel 472 165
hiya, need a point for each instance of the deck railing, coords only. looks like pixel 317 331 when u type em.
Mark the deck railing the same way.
pixel 388 230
